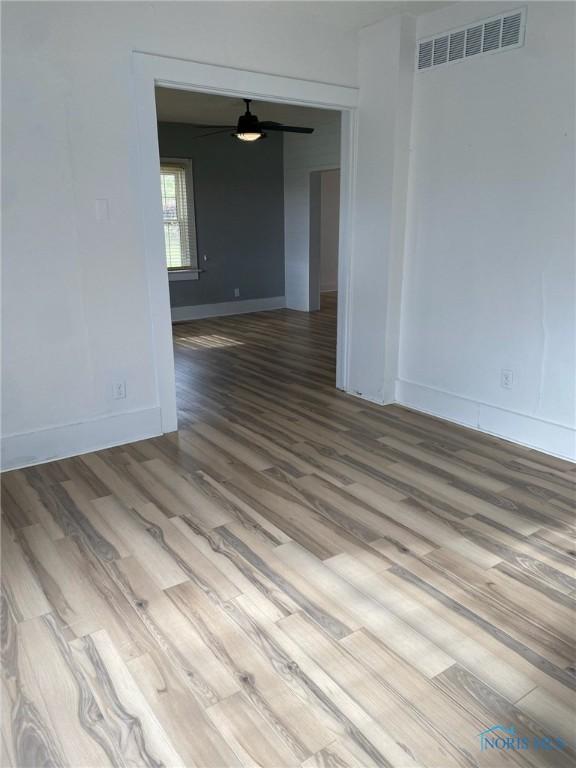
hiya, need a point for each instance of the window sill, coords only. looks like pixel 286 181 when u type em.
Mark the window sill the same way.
pixel 183 274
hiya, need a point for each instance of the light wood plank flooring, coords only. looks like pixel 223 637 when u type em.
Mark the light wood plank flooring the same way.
pixel 295 578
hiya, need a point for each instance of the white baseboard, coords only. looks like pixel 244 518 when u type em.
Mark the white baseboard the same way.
pixel 377 400
pixel 238 307
pixel 61 442
pixel 546 436
pixel 29 448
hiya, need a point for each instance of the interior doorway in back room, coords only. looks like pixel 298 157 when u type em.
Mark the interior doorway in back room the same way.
pixel 324 233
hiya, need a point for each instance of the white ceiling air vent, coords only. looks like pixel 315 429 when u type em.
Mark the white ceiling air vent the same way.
pixel 497 33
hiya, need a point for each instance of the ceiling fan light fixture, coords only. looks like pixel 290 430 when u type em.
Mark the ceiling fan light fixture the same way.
pixel 248 128
pixel 249 135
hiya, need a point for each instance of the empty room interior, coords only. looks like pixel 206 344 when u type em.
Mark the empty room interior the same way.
pixel 288 395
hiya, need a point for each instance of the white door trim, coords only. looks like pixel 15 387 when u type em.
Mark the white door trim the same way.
pixel 348 169
pixel 151 70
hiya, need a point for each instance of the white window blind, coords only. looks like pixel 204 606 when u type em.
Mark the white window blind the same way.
pixel 178 215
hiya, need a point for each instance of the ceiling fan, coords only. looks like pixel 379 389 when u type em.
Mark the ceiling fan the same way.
pixel 249 128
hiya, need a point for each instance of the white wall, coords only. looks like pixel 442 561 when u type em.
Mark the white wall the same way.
pixel 329 229
pixel 489 277
pixel 304 154
pixel 75 303
pixel 385 72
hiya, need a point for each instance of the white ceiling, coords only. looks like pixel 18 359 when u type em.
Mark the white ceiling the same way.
pixel 175 106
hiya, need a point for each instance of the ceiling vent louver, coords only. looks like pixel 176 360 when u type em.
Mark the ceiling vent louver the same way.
pixel 457 45
pixel 441 50
pixel 491 40
pixel 425 54
pixel 497 33
pixel 512 27
pixel 474 40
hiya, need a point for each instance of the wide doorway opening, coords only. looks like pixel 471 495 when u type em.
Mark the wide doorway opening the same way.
pixel 152 72
pixel 251 239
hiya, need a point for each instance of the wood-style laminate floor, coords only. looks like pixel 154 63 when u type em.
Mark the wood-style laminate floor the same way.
pixel 295 578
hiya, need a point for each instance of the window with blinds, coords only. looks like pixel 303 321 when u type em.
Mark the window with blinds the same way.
pixel 178 215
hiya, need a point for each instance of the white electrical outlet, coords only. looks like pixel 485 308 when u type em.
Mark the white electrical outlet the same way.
pixel 119 390
pixel 236 292
pixel 506 378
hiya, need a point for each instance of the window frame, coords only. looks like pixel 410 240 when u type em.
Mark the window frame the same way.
pixel 191 272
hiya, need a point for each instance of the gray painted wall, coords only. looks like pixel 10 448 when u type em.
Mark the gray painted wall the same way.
pixel 239 196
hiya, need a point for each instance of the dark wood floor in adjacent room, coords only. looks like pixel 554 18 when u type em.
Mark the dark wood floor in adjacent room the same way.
pixel 296 577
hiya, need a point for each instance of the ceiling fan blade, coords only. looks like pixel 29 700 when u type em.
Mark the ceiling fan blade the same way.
pixel 214 133
pixel 269 126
